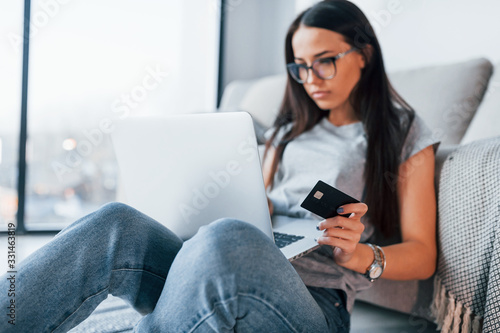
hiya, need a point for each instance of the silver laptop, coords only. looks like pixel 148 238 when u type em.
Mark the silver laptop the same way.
pixel 186 171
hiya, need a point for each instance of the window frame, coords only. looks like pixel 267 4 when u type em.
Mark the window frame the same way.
pixel 22 164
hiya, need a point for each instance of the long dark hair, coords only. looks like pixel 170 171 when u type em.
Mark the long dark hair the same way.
pixel 386 117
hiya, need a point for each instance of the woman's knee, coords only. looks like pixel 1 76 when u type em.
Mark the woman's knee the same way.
pixel 114 208
pixel 123 219
pixel 116 216
pixel 229 229
pixel 226 237
pixel 112 218
pixel 123 228
pixel 226 247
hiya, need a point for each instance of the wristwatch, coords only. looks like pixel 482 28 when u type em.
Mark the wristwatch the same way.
pixel 375 270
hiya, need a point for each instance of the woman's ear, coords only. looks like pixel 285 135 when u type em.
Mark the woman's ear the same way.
pixel 366 53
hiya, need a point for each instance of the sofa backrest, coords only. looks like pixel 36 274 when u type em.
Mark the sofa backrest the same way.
pixel 446 97
pixel 486 122
pixel 261 97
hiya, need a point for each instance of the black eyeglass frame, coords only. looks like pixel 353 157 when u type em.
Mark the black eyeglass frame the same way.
pixel 334 60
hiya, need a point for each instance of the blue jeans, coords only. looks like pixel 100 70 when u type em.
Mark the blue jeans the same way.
pixel 228 277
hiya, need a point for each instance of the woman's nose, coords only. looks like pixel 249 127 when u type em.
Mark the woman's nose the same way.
pixel 311 76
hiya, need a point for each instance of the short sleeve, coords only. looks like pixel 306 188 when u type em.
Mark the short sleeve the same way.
pixel 283 130
pixel 419 137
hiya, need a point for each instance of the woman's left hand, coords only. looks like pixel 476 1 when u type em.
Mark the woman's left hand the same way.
pixel 343 233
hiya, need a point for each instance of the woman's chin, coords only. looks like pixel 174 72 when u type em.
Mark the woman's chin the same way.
pixel 328 105
pixel 324 105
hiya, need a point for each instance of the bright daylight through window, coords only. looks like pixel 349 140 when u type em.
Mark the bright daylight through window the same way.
pixel 91 64
pixel 11 28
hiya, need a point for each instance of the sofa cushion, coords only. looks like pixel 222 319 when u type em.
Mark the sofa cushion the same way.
pixel 486 122
pixel 263 100
pixel 445 96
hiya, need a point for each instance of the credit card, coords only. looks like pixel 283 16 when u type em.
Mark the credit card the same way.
pixel 324 199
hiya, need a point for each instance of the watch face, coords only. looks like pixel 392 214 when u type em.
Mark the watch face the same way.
pixel 375 272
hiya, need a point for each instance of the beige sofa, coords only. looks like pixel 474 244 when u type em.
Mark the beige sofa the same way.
pixel 459 102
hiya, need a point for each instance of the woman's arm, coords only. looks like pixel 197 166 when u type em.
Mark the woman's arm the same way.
pixel 415 256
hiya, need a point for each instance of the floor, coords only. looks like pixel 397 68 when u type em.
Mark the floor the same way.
pixel 365 317
pixel 374 319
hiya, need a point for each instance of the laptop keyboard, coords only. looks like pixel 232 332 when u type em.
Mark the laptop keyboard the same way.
pixel 283 240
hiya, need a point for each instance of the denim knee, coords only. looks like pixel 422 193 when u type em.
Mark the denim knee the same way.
pixel 229 229
pixel 116 208
pixel 226 238
pixel 112 218
pixel 118 215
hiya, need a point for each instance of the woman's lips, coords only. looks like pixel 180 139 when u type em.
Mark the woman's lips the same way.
pixel 320 94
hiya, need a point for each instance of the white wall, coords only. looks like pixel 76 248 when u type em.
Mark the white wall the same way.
pixel 412 33
pixel 254 38
pixel 424 32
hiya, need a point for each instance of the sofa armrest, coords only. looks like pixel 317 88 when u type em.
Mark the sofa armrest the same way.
pixel 233 94
pixel 469 233
pixel 261 98
pixel 441 156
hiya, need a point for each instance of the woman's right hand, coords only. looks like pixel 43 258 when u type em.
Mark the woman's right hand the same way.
pixel 343 233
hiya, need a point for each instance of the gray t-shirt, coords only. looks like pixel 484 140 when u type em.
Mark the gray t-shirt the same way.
pixel 337 156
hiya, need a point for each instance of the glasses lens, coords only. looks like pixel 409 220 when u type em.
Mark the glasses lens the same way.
pixel 324 68
pixel 298 72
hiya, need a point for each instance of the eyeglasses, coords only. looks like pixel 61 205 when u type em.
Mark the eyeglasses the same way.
pixel 323 68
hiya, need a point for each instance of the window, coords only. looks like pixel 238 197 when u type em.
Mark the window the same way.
pixel 11 28
pixel 91 64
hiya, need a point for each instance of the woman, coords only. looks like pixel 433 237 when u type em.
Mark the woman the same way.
pixel 340 121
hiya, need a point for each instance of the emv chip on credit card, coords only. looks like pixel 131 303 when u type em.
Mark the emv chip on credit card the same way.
pixel 323 200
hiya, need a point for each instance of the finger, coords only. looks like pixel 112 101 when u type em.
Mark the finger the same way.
pixel 346 246
pixel 332 222
pixel 340 222
pixel 358 208
pixel 338 233
pixel 342 234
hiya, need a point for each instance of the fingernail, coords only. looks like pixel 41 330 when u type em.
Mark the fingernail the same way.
pixel 317 227
pixel 316 240
pixel 340 210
